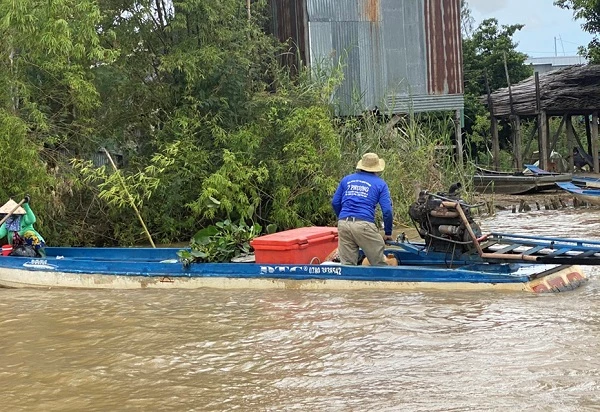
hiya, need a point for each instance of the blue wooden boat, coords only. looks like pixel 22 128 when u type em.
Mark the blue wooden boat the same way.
pixel 135 268
pixel 453 255
pixel 588 182
pixel 582 193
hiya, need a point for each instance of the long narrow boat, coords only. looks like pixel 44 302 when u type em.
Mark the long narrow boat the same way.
pixel 584 194
pixel 532 181
pixel 134 268
pixel 453 255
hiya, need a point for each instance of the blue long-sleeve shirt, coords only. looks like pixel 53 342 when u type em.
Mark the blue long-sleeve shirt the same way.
pixel 358 194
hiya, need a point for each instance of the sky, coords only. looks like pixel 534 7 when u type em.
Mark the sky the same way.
pixel 549 30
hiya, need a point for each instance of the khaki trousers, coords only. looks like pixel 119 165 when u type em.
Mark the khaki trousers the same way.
pixel 360 234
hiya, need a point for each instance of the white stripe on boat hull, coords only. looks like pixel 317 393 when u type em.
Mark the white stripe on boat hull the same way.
pixel 17 278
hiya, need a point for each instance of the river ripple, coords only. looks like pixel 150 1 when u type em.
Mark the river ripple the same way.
pixel 256 350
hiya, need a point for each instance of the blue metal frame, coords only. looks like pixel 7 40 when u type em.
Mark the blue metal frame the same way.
pixel 417 266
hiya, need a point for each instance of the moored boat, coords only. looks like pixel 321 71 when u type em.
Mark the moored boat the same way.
pixel 586 182
pixel 533 180
pixel 583 194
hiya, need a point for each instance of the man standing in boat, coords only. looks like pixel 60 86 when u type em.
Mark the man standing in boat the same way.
pixel 354 203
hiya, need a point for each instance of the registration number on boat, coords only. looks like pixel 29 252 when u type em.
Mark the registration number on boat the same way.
pixel 313 270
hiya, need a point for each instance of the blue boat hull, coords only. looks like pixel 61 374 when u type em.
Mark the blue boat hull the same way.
pixel 131 268
pixel 584 194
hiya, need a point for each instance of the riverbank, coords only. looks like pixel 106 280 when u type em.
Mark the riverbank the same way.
pixel 549 200
pixel 546 200
pixel 493 203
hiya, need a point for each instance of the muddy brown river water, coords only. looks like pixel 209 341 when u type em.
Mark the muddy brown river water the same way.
pixel 257 350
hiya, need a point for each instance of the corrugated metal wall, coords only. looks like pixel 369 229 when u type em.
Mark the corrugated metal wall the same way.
pixel 444 47
pixel 404 55
pixel 423 49
pixel 349 31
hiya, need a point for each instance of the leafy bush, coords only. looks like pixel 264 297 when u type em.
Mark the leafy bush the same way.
pixel 220 242
pixel 417 150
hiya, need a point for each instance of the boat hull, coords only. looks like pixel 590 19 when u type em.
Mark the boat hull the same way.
pixel 586 182
pixel 77 273
pixel 590 196
pixel 515 185
pixel 591 200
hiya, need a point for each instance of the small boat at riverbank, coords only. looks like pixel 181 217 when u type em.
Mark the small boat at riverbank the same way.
pixel 533 180
pixel 587 182
pixel 583 194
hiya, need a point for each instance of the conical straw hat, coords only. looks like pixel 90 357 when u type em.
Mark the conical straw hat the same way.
pixel 9 206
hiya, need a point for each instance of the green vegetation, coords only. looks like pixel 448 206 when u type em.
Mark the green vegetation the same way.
pixel 220 243
pixel 589 12
pixel 485 50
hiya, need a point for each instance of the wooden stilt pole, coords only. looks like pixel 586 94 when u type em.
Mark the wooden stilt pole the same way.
pixel 594 138
pixel 543 139
pixel 570 139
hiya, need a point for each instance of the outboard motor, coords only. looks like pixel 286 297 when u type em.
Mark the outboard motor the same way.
pixel 441 225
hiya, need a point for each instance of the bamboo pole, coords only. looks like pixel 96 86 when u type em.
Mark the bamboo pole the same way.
pixel 137 212
pixel 543 139
pixel 588 134
pixel 542 118
pixel 532 137
pixel 510 96
pixel 515 124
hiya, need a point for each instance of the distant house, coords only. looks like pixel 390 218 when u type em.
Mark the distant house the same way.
pixel 571 93
pixel 398 56
pixel 547 64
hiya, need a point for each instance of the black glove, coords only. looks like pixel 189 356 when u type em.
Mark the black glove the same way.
pixel 27 199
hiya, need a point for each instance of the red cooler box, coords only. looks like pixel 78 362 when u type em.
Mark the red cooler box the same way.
pixel 303 245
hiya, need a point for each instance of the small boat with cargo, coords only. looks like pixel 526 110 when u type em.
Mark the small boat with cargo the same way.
pixel 453 254
pixel 149 268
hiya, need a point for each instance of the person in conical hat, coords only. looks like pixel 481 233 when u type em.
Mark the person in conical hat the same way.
pixel 10 206
pixel 18 228
pixel 354 203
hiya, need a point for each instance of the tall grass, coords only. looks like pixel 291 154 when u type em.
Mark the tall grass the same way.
pixel 418 153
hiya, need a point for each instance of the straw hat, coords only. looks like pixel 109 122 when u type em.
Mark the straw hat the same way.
pixel 370 162
pixel 9 206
